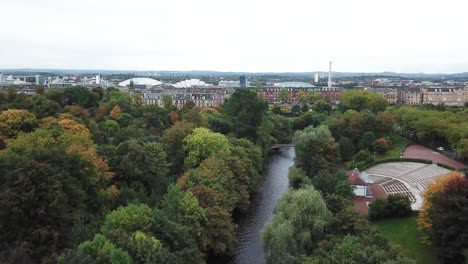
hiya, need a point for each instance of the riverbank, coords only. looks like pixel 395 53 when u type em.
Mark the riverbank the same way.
pixel 274 183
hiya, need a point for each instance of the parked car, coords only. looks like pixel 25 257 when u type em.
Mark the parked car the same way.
pixel 440 148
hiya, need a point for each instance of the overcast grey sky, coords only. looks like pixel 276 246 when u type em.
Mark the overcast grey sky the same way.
pixel 236 35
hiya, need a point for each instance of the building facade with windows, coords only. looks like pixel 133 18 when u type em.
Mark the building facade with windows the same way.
pixel 272 94
pixel 200 96
pixel 450 96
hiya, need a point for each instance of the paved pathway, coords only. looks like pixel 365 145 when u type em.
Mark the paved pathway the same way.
pixel 421 152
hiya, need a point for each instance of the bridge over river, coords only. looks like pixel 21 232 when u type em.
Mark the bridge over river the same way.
pixel 279 146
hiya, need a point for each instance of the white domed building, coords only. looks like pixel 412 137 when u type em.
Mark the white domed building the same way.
pixel 140 83
pixel 190 83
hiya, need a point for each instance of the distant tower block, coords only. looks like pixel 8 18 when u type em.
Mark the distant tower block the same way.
pixel 242 81
pixel 1 76
pixel 38 80
pixel 98 79
pixel 329 75
pixel 316 78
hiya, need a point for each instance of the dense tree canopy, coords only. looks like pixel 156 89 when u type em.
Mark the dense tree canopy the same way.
pixel 245 110
pixel 298 224
pixel 315 149
pixel 60 181
pixel 14 121
pixel 363 100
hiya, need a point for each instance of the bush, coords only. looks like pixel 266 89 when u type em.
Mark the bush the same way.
pixel 392 206
pixel 381 145
pixel 377 209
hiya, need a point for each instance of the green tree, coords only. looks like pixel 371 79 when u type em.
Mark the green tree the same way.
pixel 43 107
pixel 368 249
pixel 296 110
pixel 167 101
pixel 315 149
pixel 155 118
pixel 195 117
pixel 312 97
pixel 79 95
pixel 333 183
pixel 362 159
pixel 142 163
pixel 283 95
pixel 132 228
pixel 363 100
pixel 245 110
pixel 219 233
pixel 110 127
pixel 282 131
pixel 115 97
pixel 251 155
pixel 346 148
pixel 298 225
pixel 264 138
pixel 322 107
pixel 183 208
pixel 202 144
pixel 367 140
pixel 174 146
pixel 297 177
pixel 99 250
pixel 219 123
pixel 216 174
pixel 301 97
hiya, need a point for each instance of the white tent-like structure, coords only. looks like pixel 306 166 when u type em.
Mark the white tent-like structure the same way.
pixel 148 82
pixel 190 83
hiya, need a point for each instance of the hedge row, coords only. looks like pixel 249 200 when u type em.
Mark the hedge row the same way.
pixel 446 166
pixel 403 160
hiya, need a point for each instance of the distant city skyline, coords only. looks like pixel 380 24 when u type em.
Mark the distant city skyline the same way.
pixel 235 36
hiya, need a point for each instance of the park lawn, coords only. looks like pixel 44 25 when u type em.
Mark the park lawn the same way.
pixel 403 232
pixel 398 145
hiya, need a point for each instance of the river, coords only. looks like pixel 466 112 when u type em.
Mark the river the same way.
pixel 274 183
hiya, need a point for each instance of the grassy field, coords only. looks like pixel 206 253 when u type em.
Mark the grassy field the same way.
pixel 403 232
pixel 399 143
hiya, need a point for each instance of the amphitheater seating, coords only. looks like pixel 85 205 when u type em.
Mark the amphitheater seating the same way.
pixel 399 177
pixel 397 187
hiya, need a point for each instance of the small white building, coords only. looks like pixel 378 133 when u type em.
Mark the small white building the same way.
pixel 360 181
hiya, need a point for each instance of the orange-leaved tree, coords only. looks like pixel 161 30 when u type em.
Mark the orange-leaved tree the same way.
pixel 443 217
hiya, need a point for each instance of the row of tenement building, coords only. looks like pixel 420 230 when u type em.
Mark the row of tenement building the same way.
pixel 272 94
pixel 200 96
pixel 214 96
pixel 450 96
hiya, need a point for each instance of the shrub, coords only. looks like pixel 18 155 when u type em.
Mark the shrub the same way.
pixel 381 145
pixel 392 206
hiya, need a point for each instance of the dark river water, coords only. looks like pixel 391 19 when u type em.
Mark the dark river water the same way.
pixel 274 183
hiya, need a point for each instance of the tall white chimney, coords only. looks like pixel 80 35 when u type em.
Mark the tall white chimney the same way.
pixel 329 75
